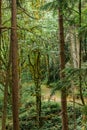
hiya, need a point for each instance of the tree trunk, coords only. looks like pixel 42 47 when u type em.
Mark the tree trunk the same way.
pixel 15 79
pixel 0 25
pixel 74 47
pixel 80 55
pixel 38 89
pixel 62 75
pixel 74 62
pixel 35 70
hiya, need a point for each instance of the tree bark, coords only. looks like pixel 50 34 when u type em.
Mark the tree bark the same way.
pixel 80 55
pixel 62 75
pixel 0 24
pixel 15 79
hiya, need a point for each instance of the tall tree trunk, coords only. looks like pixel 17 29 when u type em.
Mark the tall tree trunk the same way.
pixel 0 24
pixel 62 75
pixel 80 55
pixel 15 79
pixel 80 60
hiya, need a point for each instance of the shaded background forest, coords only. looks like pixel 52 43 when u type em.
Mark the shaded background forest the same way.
pixel 42 78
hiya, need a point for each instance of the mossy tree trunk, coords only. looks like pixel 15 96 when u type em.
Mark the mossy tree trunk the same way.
pixel 35 70
pixel 38 90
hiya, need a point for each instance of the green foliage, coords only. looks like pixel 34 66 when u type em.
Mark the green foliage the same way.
pixel 72 74
pixel 51 116
pixel 51 119
pixel 38 29
pixel 50 5
pixel 84 110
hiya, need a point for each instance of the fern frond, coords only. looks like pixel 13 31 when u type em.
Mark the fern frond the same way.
pixel 50 6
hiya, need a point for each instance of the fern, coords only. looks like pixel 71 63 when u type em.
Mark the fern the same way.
pixel 63 4
pixel 71 75
pixel 50 6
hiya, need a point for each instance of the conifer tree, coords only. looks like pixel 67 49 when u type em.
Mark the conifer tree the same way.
pixel 14 49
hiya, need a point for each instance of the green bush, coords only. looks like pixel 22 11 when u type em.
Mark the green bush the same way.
pixel 50 109
pixel 50 117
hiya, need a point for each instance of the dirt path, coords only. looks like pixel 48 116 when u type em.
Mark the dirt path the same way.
pixel 46 91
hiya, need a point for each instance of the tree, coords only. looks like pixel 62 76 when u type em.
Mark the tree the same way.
pixel 80 53
pixel 35 71
pixel 0 24
pixel 62 75
pixel 14 50
pixel 58 5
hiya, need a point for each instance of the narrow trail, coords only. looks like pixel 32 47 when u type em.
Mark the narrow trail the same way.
pixel 46 91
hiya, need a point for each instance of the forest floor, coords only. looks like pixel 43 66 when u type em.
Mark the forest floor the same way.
pixel 46 92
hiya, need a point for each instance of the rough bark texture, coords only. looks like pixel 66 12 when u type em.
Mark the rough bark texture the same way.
pixel 15 86
pixel 62 66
